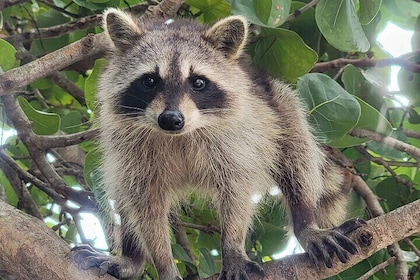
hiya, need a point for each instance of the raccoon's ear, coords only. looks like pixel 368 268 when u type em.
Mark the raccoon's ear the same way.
pixel 229 35
pixel 122 28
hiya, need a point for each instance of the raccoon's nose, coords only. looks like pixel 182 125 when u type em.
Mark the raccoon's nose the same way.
pixel 171 120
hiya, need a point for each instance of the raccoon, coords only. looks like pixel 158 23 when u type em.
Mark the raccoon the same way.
pixel 181 110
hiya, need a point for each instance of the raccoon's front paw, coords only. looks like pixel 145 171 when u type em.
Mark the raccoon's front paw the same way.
pixel 87 258
pixel 238 269
pixel 322 244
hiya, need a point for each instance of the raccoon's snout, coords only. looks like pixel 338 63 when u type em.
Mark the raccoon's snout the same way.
pixel 171 120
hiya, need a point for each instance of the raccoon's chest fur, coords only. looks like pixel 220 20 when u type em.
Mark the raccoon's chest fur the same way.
pixel 200 160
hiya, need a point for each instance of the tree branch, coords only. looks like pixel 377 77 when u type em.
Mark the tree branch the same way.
pixel 360 186
pixel 23 126
pixel 380 231
pixel 57 30
pixel 367 62
pixel 50 63
pixel 386 140
pixel 297 13
pixel 32 251
pixel 21 255
pixel 7 3
pixel 377 268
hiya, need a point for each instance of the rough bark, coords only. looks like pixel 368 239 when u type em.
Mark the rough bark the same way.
pixel 30 250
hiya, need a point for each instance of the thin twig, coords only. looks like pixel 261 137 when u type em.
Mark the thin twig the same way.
pixel 368 62
pixel 377 268
pixel 382 162
pixel 386 140
pixel 297 13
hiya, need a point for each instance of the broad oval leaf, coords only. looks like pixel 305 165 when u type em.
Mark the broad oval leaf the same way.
pixel 356 83
pixel 332 110
pixel 266 13
pixel 91 82
pixel 409 82
pixel 370 119
pixel 338 22
pixel 91 170
pixel 207 266
pixel 42 123
pixel 7 57
pixel 368 10
pixel 209 10
pixel 284 54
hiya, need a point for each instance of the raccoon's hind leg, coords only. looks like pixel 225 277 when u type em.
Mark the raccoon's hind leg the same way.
pixel 327 237
pixel 332 210
pixel 127 266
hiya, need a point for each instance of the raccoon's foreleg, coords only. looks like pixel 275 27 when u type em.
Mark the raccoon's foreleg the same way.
pixel 152 216
pixel 236 211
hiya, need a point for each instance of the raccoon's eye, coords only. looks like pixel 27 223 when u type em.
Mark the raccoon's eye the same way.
pixel 149 82
pixel 199 83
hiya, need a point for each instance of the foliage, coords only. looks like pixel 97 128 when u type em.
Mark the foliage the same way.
pixel 349 96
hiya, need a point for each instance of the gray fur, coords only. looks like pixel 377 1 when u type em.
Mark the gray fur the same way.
pixel 259 139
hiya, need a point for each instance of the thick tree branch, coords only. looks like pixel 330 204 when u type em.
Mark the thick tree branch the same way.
pixel 40 243
pixel 32 251
pixel 51 63
pixel 384 230
pixel 360 186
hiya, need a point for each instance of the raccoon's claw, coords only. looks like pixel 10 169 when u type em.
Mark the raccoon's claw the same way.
pixel 87 257
pixel 239 270
pixel 321 245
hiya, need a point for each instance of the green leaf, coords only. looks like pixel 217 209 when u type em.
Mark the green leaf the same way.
pixel 71 233
pixel 91 82
pixel 272 238
pixel 7 57
pixel 11 196
pixel 207 266
pixel 368 10
pixel 370 119
pixel 409 83
pixel 338 22
pixel 210 10
pixel 42 123
pixel 332 110
pixel 71 122
pixel 304 25
pixel 91 168
pixel 395 194
pixel 39 197
pixel 98 1
pixel 355 82
pixel 265 13
pixel 91 5
pixel 284 54
pixel 387 151
pixel 180 254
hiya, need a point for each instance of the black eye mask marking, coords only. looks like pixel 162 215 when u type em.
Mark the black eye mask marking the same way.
pixel 206 94
pixel 139 94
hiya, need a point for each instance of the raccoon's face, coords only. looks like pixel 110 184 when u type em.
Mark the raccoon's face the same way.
pixel 173 76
